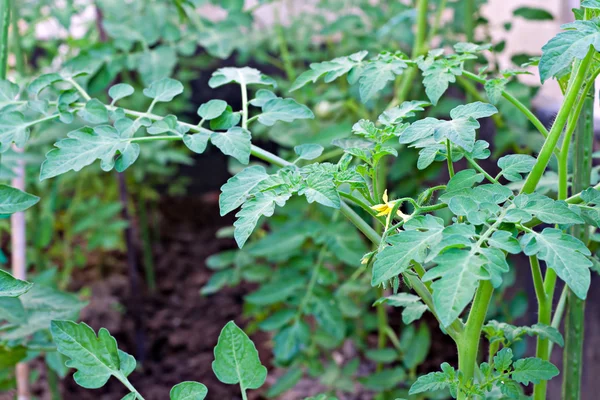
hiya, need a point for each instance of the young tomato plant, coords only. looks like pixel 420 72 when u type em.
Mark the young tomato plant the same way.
pixel 454 264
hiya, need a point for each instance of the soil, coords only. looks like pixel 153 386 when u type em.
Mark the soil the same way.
pixel 181 327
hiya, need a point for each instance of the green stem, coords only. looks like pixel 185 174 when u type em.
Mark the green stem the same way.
pixel 17 46
pixel 575 312
pixel 481 170
pixel 419 48
pixel 561 119
pixel 469 20
pixel 514 101
pixel 5 18
pixel 244 102
pixel 468 344
pixel 449 158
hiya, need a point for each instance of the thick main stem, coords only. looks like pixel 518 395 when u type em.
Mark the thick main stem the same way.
pixel 468 345
pixel 575 312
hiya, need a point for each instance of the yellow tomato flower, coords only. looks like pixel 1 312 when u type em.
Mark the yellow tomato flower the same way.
pixel 385 209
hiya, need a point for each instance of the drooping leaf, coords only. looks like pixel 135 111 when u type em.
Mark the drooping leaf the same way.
pixel 319 187
pixel 331 70
pixel 377 73
pixel 261 204
pixel 405 110
pixel 188 391
pixel 95 358
pixel 13 129
pixel 236 359
pixel 434 381
pixel 533 14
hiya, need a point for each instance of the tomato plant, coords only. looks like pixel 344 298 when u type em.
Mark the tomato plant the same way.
pixel 443 249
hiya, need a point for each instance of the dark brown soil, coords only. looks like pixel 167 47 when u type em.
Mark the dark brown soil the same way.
pixel 181 327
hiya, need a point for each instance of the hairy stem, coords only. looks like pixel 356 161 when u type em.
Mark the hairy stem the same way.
pixel 575 312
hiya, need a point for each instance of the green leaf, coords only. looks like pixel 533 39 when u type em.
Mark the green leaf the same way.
pixel 383 380
pixel 504 241
pixel 245 75
pixel 567 46
pixel 546 332
pixel 262 203
pixel 494 88
pixel 376 75
pixel 533 370
pixel 86 145
pixel 461 180
pixel 412 244
pixel 274 292
pixel 226 120
pixel 13 200
pixel 405 110
pixel 513 165
pixel 198 141
pixel 456 277
pixel 213 109
pixel 308 151
pixel 42 82
pixel 285 382
pixel 547 210
pixel 287 110
pixel 277 320
pixel 533 14
pixel 503 360
pixel 238 187
pixel 290 341
pixel 95 358
pixel 13 128
pixel 593 4
pixel 319 187
pixel 331 70
pixel 563 253
pixel 262 97
pixel 188 391
pixel 9 92
pixel 437 76
pixel 434 381
pixel 119 91
pixel 460 130
pixel 163 90
pixel 236 142
pixel 386 355
pixel 328 316
pixel 94 112
pixel 10 356
pixel 11 286
pixel 236 359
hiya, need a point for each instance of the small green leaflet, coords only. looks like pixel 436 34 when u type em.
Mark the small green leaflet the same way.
pixel 13 200
pixel 544 208
pixel 95 358
pixel 563 253
pixel 319 187
pixel 405 110
pixel 188 391
pixel 287 110
pixel 285 382
pixel 460 130
pixel 376 74
pixel 494 89
pixel 262 203
pixel 9 92
pixel 243 76
pixel 86 145
pixel 94 112
pixel 407 246
pixel 235 142
pixel 533 14
pixel 42 82
pixel 503 360
pixel 308 151
pixel 119 91
pixel 236 359
pixel 567 46
pixel 331 70
pixel 413 307
pixel 513 165
pixel 13 128
pixel 437 76
pixel 435 381
pixel 212 109
pixel 163 90
pixel 533 370
pixel 11 286
pixel 291 340
pixel 238 187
